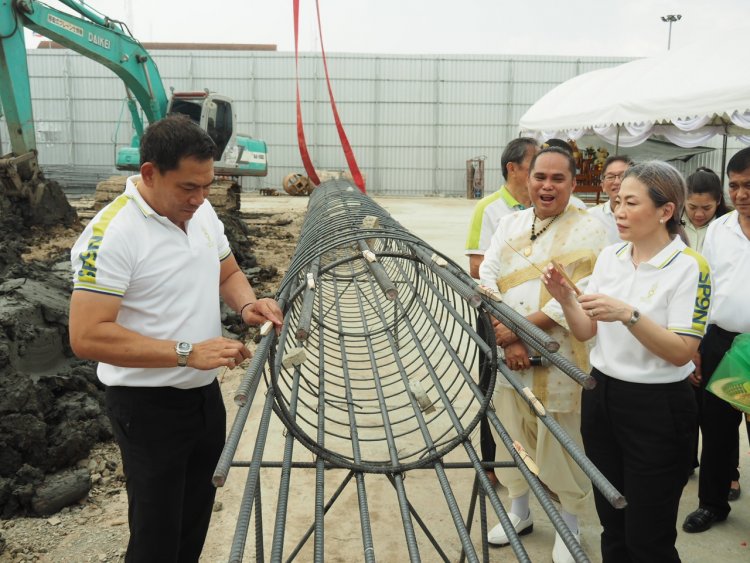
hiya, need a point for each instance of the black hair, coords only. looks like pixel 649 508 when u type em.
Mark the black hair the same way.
pixel 562 152
pixel 616 158
pixel 559 143
pixel 706 181
pixel 739 162
pixel 169 140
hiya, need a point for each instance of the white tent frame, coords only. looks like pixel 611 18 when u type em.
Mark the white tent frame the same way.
pixel 687 96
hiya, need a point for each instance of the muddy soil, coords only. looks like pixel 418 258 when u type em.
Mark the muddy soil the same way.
pixel 53 427
pixel 50 402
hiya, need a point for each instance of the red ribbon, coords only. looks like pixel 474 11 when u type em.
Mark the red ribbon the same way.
pixel 304 154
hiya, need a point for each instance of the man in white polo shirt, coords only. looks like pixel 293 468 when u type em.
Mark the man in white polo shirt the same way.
pixel 727 250
pixel 612 173
pixel 148 272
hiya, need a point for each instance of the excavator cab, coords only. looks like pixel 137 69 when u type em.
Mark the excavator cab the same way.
pixel 219 123
pixel 215 116
pixel 213 113
pixel 236 155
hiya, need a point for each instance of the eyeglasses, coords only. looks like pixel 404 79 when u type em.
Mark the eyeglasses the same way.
pixel 613 177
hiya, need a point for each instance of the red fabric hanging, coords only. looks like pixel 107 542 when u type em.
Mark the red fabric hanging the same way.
pixel 348 152
pixel 304 154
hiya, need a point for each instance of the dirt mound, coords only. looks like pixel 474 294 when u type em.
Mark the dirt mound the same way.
pixel 52 404
pixel 50 207
pixel 51 407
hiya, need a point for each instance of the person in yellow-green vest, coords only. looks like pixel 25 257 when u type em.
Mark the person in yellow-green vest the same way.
pixel 512 196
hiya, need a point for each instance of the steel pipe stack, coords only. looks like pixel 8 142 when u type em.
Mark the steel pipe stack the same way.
pixel 375 375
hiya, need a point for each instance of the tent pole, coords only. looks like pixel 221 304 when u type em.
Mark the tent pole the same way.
pixel 617 140
pixel 723 158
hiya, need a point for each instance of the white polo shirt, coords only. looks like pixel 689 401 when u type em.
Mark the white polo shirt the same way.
pixel 604 213
pixel 168 280
pixel 727 250
pixel 673 289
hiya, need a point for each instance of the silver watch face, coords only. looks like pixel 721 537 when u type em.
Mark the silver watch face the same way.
pixel 184 347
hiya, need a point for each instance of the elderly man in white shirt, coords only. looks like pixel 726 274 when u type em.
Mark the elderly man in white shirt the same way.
pixel 612 173
pixel 512 196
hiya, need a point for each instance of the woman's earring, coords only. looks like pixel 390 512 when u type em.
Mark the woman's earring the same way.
pixel 661 221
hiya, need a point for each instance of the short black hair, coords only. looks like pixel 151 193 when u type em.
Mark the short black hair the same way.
pixel 559 143
pixel 562 152
pixel 169 140
pixel 617 158
pixel 739 162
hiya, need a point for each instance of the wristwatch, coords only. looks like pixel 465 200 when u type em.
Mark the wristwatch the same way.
pixel 183 350
pixel 635 316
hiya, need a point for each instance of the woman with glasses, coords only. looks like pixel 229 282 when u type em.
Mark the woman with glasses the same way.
pixel 705 203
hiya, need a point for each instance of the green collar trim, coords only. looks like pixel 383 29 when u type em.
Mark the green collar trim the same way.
pixel 509 200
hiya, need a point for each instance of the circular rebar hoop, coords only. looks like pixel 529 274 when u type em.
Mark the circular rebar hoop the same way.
pixel 365 317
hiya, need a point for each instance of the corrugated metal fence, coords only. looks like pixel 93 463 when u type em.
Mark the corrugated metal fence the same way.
pixel 413 121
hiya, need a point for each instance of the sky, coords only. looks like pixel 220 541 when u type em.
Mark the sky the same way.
pixel 628 28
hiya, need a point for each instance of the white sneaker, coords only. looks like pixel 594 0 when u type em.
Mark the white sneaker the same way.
pixel 497 537
pixel 560 553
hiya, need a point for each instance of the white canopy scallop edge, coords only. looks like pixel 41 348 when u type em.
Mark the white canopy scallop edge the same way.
pixel 687 95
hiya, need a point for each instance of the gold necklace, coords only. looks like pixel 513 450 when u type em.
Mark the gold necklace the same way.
pixel 534 235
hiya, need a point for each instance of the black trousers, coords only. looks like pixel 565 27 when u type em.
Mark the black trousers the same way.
pixel 640 436
pixel 699 392
pixel 170 440
pixel 720 428
pixel 487 444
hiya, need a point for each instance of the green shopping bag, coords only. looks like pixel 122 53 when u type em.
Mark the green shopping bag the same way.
pixel 731 380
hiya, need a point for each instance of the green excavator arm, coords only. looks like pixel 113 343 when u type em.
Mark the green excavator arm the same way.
pixel 109 43
pixel 96 37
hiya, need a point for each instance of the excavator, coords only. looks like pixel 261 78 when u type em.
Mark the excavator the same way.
pixel 110 43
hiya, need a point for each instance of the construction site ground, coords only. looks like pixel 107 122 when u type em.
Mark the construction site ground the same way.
pixel 96 529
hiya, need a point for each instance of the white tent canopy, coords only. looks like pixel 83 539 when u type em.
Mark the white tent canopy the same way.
pixel 686 95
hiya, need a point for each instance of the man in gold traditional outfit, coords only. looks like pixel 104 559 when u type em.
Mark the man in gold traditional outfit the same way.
pixel 524 243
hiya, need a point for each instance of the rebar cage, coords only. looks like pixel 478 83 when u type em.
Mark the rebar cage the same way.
pixel 375 371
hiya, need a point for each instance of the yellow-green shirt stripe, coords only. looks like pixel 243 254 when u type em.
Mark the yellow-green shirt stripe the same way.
pixel 87 274
pixel 702 295
pixel 475 228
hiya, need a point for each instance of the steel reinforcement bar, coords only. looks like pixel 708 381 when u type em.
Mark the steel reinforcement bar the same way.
pixel 374 374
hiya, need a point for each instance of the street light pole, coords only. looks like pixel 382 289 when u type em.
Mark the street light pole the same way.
pixel 671 18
